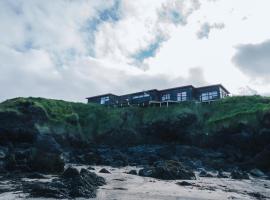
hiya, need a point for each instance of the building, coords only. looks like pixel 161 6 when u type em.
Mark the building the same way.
pixel 167 96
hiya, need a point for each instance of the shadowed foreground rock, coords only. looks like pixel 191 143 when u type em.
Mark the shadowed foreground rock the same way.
pixel 168 170
pixel 71 184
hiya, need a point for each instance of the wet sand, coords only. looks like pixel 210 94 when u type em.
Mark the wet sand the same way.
pixel 122 186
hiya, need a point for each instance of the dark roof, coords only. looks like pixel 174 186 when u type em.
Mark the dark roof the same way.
pixel 141 92
pixel 219 85
pixel 186 86
pixel 102 95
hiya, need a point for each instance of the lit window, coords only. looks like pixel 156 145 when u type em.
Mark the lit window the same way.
pixel 103 100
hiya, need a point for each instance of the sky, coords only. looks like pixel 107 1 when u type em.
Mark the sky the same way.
pixel 71 50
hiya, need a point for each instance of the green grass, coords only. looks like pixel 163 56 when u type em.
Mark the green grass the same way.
pixel 89 120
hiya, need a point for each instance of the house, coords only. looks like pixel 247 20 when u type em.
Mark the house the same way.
pixel 166 96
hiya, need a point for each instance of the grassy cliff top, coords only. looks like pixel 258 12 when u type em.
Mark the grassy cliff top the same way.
pixel 88 119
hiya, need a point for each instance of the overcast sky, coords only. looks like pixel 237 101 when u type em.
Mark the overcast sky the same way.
pixel 73 49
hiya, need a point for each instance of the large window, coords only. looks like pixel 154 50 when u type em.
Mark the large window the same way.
pixel 182 96
pixel 166 97
pixel 208 96
pixel 103 100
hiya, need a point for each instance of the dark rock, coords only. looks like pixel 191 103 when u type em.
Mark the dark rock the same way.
pixel 203 173
pixel 184 183
pixel 261 160
pixel 46 143
pixel 222 175
pixel 70 172
pixel 71 184
pixel 46 162
pixel 168 170
pixel 256 173
pixel 105 171
pixel 90 168
pixel 92 178
pixel 133 172
pixel 36 175
pixel 236 174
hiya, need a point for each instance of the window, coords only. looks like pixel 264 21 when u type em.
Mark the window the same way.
pixel 182 96
pixel 141 96
pixel 166 97
pixel 222 93
pixel 103 100
pixel 208 96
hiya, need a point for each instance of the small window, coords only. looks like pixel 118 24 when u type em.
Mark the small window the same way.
pixel 166 97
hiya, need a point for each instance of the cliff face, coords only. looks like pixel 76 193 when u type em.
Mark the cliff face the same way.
pixel 240 123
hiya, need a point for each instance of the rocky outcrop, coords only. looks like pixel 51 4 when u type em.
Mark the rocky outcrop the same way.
pixel 71 184
pixel 168 170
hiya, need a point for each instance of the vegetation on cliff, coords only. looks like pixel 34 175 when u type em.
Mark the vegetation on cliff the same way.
pixel 89 120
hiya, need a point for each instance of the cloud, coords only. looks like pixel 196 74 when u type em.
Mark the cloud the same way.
pixel 254 60
pixel 139 34
pixel 206 29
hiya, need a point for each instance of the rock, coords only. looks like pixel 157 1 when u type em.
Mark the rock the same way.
pixel 70 185
pixel 70 172
pixel 261 160
pixel 92 178
pixel 36 175
pixel 105 171
pixel 203 173
pixel 222 175
pixel 90 168
pixel 133 172
pixel 168 170
pixel 184 183
pixel 46 143
pixel 2 154
pixel 236 174
pixel 46 162
pixel 256 173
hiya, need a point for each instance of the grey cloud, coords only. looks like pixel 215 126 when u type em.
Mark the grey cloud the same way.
pixel 254 60
pixel 178 11
pixel 206 29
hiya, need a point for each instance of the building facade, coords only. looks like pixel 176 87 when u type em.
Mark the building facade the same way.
pixel 171 95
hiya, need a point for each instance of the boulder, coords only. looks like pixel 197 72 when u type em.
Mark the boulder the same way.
pixel 257 173
pixel 105 171
pixel 236 174
pixel 70 172
pixel 203 173
pixel 132 172
pixel 70 185
pixel 168 170
pixel 184 183
pixel 222 175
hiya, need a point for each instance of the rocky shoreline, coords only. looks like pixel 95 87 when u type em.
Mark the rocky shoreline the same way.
pixel 47 159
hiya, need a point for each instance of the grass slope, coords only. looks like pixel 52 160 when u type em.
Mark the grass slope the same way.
pixel 89 120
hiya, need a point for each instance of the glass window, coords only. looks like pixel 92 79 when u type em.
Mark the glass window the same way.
pixel 103 100
pixel 166 97
pixel 182 96
pixel 209 96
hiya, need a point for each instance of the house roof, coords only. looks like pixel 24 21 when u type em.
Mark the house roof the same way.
pixel 219 85
pixel 102 95
pixel 186 86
